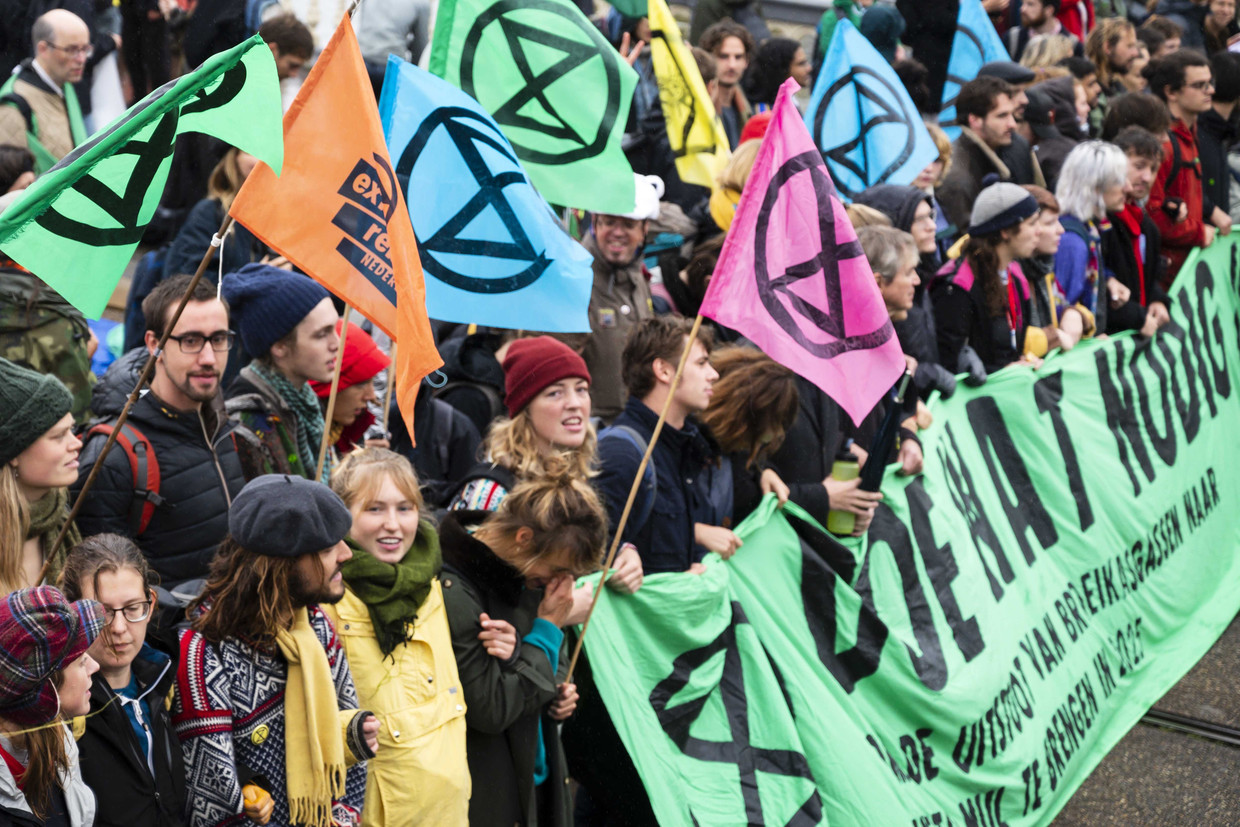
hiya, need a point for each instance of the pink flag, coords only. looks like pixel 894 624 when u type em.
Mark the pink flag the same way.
pixel 792 277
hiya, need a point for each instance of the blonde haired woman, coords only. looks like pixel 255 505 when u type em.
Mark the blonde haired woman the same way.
pixel 395 632
pixel 39 454
pixel 240 246
pixel 548 400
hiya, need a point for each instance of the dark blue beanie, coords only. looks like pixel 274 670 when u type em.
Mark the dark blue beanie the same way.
pixel 267 303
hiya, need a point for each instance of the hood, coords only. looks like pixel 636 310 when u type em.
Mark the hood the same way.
pixel 896 202
pixel 1053 105
pixel 472 358
pixel 1212 123
pixel 109 394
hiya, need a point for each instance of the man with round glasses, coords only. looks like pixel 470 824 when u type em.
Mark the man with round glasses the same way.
pixel 38 107
pixel 191 440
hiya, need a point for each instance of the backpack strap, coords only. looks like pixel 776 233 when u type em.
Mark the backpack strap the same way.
pixel 650 476
pixel 22 105
pixel 145 468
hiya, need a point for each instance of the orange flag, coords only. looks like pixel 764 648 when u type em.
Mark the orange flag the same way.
pixel 336 211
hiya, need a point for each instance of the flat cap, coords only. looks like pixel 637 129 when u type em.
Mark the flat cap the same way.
pixel 277 515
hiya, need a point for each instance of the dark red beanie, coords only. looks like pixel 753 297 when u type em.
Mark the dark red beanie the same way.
pixel 533 364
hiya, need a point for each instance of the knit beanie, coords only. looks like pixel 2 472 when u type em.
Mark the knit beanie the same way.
pixel 1000 206
pixel 362 360
pixel 40 632
pixel 30 404
pixel 266 303
pixel 533 364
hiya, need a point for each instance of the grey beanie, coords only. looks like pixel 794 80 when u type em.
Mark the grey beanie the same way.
pixel 277 515
pixel 30 404
pixel 1000 206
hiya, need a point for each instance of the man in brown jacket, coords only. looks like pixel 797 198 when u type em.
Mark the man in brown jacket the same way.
pixel 38 108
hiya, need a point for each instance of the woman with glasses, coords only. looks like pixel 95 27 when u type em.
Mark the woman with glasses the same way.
pixel 39 453
pixel 131 757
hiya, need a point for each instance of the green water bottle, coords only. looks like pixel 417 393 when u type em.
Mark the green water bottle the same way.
pixel 843 469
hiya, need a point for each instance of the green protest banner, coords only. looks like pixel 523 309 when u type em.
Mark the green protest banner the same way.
pixel 1012 612
pixel 555 86
pixel 77 226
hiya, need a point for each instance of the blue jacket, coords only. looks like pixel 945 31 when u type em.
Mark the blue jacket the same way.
pixel 665 541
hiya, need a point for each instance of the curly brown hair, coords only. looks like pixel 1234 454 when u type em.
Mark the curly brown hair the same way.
pixel 754 403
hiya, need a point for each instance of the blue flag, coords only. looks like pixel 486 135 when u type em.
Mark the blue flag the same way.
pixel 492 250
pixel 862 119
pixel 976 43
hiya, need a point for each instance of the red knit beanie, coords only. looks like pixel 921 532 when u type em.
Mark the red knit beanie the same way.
pixel 362 360
pixel 533 364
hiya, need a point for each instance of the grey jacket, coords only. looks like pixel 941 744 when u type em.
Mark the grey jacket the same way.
pixel 79 800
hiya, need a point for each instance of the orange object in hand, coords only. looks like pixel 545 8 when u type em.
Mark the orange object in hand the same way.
pixel 257 803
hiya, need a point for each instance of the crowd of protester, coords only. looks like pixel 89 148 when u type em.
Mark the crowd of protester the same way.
pixel 227 633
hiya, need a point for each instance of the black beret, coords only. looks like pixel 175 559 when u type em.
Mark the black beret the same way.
pixel 277 515
pixel 1009 71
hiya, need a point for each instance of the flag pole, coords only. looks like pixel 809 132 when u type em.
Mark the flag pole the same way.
pixel 387 392
pixel 628 505
pixel 331 398
pixel 145 377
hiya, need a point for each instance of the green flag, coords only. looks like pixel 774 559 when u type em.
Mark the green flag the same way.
pixel 696 701
pixel 556 87
pixel 77 226
pixel 1066 556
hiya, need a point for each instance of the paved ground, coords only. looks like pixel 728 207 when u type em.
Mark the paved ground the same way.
pixel 1158 777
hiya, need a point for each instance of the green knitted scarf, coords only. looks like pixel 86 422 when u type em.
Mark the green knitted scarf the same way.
pixel 47 515
pixel 305 406
pixel 393 592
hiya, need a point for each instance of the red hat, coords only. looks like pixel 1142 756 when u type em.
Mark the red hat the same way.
pixel 533 364
pixel 362 361
pixel 756 127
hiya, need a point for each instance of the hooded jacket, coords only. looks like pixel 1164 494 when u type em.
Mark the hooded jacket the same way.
pixel 506 704
pixel 962 317
pixel 1215 136
pixel 114 763
pixel 79 800
pixel 199 467
pixel 619 300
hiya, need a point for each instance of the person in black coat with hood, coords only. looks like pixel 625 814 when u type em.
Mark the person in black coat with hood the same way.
pixel 130 756
pixel 912 210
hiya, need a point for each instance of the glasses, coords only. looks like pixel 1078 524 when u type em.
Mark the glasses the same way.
pixel 74 51
pixel 194 342
pixel 133 613
pixel 1201 85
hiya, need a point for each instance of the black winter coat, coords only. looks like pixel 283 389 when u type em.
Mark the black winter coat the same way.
pixel 112 761
pixel 1215 136
pixel 200 473
pixel 805 458
pixel 1120 259
pixel 506 705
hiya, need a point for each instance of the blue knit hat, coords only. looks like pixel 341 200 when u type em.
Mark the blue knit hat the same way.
pixel 267 303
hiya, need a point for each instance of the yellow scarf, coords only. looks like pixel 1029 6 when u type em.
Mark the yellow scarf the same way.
pixel 313 749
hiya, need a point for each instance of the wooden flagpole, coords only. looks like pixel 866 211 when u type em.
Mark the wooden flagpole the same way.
pixel 324 443
pixel 145 377
pixel 628 504
pixel 387 391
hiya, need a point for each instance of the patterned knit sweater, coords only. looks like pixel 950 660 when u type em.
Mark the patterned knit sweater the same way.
pixel 229 714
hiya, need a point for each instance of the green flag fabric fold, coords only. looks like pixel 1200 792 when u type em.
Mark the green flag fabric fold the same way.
pixel 1066 556
pixel 555 86
pixel 77 226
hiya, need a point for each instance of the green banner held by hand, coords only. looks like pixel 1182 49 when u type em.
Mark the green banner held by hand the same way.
pixel 1067 555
